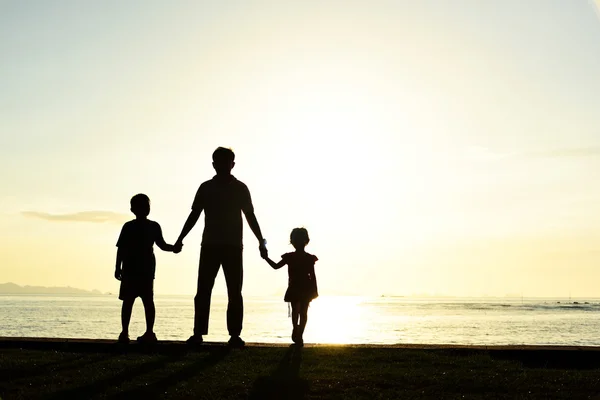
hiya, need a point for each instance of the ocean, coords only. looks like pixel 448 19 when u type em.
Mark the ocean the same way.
pixel 348 320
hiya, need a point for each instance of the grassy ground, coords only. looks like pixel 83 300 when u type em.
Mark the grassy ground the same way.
pixel 215 372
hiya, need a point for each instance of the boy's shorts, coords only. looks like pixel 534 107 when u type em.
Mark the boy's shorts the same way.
pixel 134 288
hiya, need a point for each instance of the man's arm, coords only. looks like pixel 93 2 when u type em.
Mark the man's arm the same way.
pixel 253 224
pixel 187 227
pixel 248 210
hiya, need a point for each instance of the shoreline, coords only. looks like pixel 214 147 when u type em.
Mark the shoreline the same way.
pixel 109 344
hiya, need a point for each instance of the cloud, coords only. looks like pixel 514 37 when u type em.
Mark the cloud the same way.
pixel 83 216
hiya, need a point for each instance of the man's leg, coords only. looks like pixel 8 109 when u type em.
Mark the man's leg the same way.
pixel 207 272
pixel 234 274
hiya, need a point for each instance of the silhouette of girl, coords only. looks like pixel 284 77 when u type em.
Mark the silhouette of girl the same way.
pixel 302 283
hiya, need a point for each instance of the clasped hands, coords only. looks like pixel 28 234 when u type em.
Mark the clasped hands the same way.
pixel 177 247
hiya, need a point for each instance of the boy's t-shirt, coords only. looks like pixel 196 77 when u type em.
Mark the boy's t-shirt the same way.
pixel 136 242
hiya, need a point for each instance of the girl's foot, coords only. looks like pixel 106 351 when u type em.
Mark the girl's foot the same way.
pixel 294 335
pixel 123 338
pixel 300 341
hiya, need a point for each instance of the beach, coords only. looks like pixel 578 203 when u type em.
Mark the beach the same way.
pixel 38 368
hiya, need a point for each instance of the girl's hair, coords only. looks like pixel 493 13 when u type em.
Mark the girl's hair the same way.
pixel 300 236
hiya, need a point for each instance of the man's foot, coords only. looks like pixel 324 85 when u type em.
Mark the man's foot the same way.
pixel 123 338
pixel 236 341
pixel 148 337
pixel 195 339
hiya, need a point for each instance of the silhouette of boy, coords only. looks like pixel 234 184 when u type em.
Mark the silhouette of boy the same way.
pixel 223 199
pixel 136 265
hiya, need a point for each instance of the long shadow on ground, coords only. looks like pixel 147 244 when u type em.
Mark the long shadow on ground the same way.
pixel 284 382
pixel 101 385
pixel 75 362
pixel 161 386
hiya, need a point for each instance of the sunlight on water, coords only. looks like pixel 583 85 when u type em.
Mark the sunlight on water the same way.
pixel 336 320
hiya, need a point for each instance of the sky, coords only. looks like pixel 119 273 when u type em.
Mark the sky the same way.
pixel 431 147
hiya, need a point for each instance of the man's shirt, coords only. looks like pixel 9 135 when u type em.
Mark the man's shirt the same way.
pixel 223 199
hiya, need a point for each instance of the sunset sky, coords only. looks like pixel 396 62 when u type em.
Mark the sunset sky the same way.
pixel 439 147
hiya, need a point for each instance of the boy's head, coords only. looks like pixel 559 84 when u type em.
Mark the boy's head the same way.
pixel 140 205
pixel 299 238
pixel 223 160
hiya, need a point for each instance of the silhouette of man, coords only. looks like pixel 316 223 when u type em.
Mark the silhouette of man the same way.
pixel 223 199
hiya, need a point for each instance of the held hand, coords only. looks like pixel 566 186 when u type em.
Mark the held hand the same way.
pixel 177 247
pixel 263 251
pixel 118 274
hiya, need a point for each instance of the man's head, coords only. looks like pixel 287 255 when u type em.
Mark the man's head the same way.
pixel 140 205
pixel 223 160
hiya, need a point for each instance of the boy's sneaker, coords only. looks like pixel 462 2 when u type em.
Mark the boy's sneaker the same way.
pixel 195 339
pixel 236 342
pixel 123 338
pixel 148 337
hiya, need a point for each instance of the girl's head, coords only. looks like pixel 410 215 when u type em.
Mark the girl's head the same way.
pixel 299 238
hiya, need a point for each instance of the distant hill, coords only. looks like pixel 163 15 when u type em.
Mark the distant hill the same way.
pixel 12 288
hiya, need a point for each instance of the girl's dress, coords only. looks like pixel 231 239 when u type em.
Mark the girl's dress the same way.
pixel 302 284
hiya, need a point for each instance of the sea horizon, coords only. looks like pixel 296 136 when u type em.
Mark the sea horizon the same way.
pixel 280 296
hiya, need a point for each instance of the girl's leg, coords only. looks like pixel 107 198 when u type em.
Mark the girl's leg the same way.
pixel 126 310
pixel 303 319
pixel 295 318
pixel 150 312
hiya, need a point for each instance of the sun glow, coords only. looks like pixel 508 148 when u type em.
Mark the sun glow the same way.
pixel 337 320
